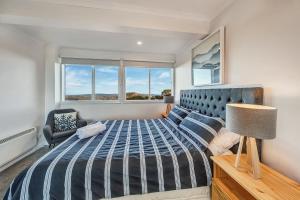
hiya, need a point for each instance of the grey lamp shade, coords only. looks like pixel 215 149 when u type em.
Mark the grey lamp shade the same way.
pixel 168 99
pixel 251 120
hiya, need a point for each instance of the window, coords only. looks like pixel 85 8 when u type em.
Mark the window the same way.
pixel 89 79
pixel 108 80
pixel 78 82
pixel 145 81
pixel 137 83
pixel 161 82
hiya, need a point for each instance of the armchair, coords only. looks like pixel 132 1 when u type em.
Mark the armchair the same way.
pixel 57 137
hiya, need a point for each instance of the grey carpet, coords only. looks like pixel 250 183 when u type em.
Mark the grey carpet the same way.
pixel 10 173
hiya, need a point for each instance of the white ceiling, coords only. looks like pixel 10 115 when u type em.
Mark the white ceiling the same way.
pixel 191 9
pixel 164 26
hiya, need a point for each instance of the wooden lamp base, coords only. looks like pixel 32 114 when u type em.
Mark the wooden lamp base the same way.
pixel 168 109
pixel 252 156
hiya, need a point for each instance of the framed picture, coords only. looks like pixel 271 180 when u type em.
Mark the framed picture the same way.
pixel 208 60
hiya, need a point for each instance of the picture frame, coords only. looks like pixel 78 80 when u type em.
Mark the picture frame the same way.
pixel 208 60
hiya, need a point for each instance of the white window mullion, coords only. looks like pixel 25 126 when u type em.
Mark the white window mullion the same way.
pixel 149 72
pixel 93 82
pixel 121 82
pixel 173 76
pixel 63 82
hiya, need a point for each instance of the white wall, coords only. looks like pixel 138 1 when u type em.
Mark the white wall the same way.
pixel 52 79
pixel 117 110
pixel 21 81
pixel 262 47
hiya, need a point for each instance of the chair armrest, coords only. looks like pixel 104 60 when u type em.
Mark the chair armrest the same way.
pixel 48 132
pixel 81 123
pixel 47 129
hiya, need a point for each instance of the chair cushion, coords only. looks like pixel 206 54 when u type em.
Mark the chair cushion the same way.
pixel 64 133
pixel 65 121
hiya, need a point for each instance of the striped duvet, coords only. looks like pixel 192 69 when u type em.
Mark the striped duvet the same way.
pixel 130 157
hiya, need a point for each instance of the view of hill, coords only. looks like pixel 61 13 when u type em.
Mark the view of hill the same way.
pixel 107 97
pixel 89 97
pixel 139 96
pixel 78 97
pixel 136 96
pixel 129 96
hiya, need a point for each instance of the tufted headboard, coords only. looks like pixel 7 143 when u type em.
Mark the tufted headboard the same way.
pixel 212 102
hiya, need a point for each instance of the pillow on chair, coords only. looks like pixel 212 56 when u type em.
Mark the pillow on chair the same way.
pixel 65 121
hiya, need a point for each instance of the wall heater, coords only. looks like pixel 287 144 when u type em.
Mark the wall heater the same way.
pixel 13 147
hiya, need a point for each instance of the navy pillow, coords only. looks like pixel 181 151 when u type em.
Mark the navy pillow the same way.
pixel 177 114
pixel 201 127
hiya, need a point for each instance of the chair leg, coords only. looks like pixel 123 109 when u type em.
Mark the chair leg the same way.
pixel 49 146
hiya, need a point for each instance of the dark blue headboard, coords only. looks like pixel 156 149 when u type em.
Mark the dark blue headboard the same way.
pixel 212 102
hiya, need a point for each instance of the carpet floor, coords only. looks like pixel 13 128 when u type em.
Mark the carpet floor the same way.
pixel 10 173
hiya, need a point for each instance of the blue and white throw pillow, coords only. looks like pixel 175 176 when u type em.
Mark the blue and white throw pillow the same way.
pixel 65 121
pixel 201 127
pixel 178 113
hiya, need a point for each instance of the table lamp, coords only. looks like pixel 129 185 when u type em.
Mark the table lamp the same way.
pixel 254 122
pixel 168 100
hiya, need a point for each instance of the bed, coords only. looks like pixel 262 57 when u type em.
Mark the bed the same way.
pixel 149 159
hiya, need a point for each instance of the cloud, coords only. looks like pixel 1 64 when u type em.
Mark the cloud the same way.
pixel 77 80
pixel 164 75
pixel 78 75
pixel 107 69
pixel 107 83
pixel 72 84
pixel 130 81
pixel 160 83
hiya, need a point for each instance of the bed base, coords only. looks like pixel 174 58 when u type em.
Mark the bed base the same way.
pixel 199 193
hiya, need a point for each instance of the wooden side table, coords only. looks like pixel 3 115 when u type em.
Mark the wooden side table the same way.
pixel 237 184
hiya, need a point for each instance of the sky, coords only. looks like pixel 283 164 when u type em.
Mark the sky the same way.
pixel 79 79
pixel 202 76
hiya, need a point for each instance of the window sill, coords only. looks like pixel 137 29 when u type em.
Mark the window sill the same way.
pixel 142 102
pixel 90 102
pixel 110 102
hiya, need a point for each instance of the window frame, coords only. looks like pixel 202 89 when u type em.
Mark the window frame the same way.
pixel 121 80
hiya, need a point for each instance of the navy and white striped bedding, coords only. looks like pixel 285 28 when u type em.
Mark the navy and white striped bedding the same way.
pixel 131 157
pixel 178 113
pixel 203 127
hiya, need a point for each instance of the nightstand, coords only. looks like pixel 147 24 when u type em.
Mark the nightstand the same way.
pixel 237 184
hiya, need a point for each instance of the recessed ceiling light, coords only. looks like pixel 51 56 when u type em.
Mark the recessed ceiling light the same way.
pixel 139 43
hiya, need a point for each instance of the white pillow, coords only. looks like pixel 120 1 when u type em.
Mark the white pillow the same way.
pixel 223 141
pixel 90 130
